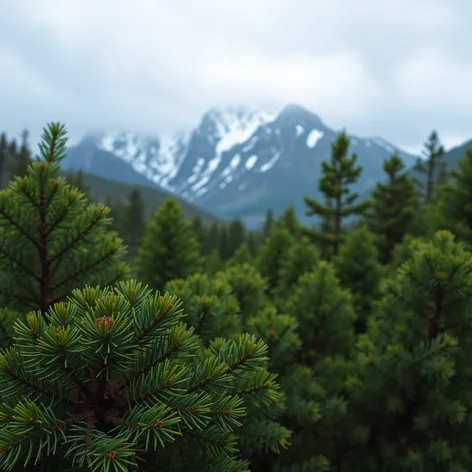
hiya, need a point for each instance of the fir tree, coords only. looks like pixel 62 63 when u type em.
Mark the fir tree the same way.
pixel 360 272
pixel 302 257
pixel 134 221
pixel 236 236
pixel 455 203
pixel 273 251
pixel 241 256
pixel 412 391
pixel 338 174
pixel 289 216
pixel 393 208
pixel 22 158
pixel 77 180
pixel 132 386
pixel 432 167
pixel 268 222
pixel 168 248
pixel 51 239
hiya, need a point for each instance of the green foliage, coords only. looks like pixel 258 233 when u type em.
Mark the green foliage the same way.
pixel 273 251
pixel 455 202
pixel 301 258
pixel 131 381
pixel 51 239
pixel 359 271
pixel 241 256
pixel 209 305
pixel 133 221
pixel 338 174
pixel 412 390
pixel 393 208
pixel 325 313
pixel 168 250
pixel 431 167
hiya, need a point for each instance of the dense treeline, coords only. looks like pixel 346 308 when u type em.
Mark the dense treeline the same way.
pixel 167 344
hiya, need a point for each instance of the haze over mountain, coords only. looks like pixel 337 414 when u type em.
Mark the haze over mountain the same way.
pixel 236 163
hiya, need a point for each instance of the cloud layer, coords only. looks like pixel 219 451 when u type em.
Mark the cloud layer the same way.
pixel 394 69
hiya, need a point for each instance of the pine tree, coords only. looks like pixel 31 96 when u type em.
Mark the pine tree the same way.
pixel 302 257
pixel 241 256
pixel 393 208
pixel 4 161
pixel 132 386
pixel 236 236
pixel 268 222
pixel 22 158
pixel 273 251
pixel 77 180
pixel 134 221
pixel 168 248
pixel 51 239
pixel 317 408
pixel 289 216
pixel 432 167
pixel 360 272
pixel 412 390
pixel 338 174
pixel 455 203
pixel 200 231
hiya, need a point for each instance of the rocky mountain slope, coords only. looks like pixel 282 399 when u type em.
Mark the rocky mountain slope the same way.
pixel 237 163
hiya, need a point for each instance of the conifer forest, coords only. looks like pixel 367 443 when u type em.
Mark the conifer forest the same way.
pixel 169 344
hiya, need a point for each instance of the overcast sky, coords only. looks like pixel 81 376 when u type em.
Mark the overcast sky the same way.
pixel 391 68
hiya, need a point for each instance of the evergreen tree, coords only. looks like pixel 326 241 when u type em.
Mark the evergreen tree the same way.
pixel 253 242
pixel 273 251
pixel 432 166
pixel 393 208
pixel 241 256
pixel 212 239
pixel 412 391
pixel 51 239
pixel 168 248
pixel 455 203
pixel 77 180
pixel 302 257
pixel 23 157
pixel 133 389
pixel 4 161
pixel 268 222
pixel 360 272
pixel 315 390
pixel 236 236
pixel 200 232
pixel 289 216
pixel 134 221
pixel 223 242
pixel 338 174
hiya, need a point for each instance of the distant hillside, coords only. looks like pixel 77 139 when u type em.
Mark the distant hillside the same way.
pixel 101 189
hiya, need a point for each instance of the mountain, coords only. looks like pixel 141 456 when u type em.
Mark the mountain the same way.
pixel 237 163
pixel 153 196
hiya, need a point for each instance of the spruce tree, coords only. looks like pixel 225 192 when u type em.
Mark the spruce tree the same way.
pixel 120 383
pixel 412 389
pixel 236 236
pixel 289 216
pixel 241 256
pixel 338 174
pixel 22 158
pixel 4 161
pixel 455 203
pixel 268 223
pixel 134 221
pixel 168 248
pixel 200 231
pixel 273 251
pixel 393 207
pixel 432 166
pixel 51 239
pixel 360 272
pixel 302 257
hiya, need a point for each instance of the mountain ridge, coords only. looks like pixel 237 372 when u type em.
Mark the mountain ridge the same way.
pixel 236 163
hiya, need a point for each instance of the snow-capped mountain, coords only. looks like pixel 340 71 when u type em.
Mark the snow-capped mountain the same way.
pixel 237 163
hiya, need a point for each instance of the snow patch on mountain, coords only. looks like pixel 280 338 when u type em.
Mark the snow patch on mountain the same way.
pixel 313 137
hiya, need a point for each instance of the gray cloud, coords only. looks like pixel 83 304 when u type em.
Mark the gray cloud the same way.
pixel 394 69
